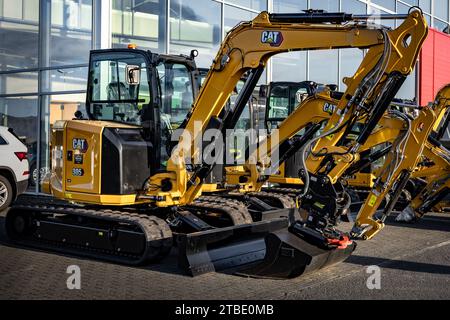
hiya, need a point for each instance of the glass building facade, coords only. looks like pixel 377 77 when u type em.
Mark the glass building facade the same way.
pixel 44 49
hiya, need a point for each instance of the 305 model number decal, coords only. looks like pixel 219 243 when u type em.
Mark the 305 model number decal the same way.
pixel 77 172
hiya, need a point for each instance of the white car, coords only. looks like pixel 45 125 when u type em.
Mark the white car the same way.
pixel 14 170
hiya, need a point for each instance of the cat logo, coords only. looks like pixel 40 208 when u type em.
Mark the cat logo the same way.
pixel 329 108
pixel 80 144
pixel 274 38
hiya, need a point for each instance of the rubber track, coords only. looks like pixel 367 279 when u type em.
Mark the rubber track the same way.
pixel 236 210
pixel 290 192
pixel 287 201
pixel 157 233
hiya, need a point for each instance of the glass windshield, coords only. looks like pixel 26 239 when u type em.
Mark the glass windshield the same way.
pixel 283 100
pixel 119 87
pixel 278 102
pixel 176 92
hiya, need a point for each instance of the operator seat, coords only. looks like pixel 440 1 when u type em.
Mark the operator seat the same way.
pixel 125 111
pixel 186 96
pixel 113 91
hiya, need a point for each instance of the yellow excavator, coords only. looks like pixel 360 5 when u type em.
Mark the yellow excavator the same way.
pixel 430 182
pixel 250 188
pixel 118 198
pixel 281 98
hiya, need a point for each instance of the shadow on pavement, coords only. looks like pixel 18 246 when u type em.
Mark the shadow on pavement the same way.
pixel 399 264
pixel 428 222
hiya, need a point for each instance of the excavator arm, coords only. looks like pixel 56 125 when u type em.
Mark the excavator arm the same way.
pixel 398 166
pixel 249 45
pixel 434 167
pixel 401 164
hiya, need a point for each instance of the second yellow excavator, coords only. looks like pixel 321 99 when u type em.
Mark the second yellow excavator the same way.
pixel 430 182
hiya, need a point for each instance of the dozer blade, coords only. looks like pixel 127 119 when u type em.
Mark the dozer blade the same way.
pixel 224 248
pixel 290 254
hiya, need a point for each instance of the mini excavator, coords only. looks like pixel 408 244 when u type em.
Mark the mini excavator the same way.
pixel 280 99
pixel 115 196
pixel 430 182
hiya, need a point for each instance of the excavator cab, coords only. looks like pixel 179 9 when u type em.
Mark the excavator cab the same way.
pixel 282 98
pixel 139 88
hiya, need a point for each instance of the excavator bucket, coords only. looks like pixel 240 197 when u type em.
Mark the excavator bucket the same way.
pixel 265 249
pixel 225 248
pixel 289 255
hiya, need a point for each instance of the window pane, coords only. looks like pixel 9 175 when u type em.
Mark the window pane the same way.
pixel 234 16
pixel 141 22
pixel 259 5
pixel 279 102
pixel 54 108
pixel 287 6
pixel 30 10
pixel 425 5
pixel 19 34
pixel 385 22
pixel 411 2
pixel 388 4
pixel 428 18
pixel 441 9
pixel 323 66
pixel 177 98
pixel 23 82
pixel 176 92
pixel 195 25
pixel 64 79
pixel 353 6
pixel 350 61
pixel 402 8
pixel 71 32
pixel 27 10
pixel 21 114
pixel 289 66
pixel 408 89
pixel 327 5
pixel 114 97
pixel 440 25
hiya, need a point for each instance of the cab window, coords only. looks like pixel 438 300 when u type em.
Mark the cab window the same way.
pixel 176 92
pixel 119 87
pixel 283 100
pixel 279 102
